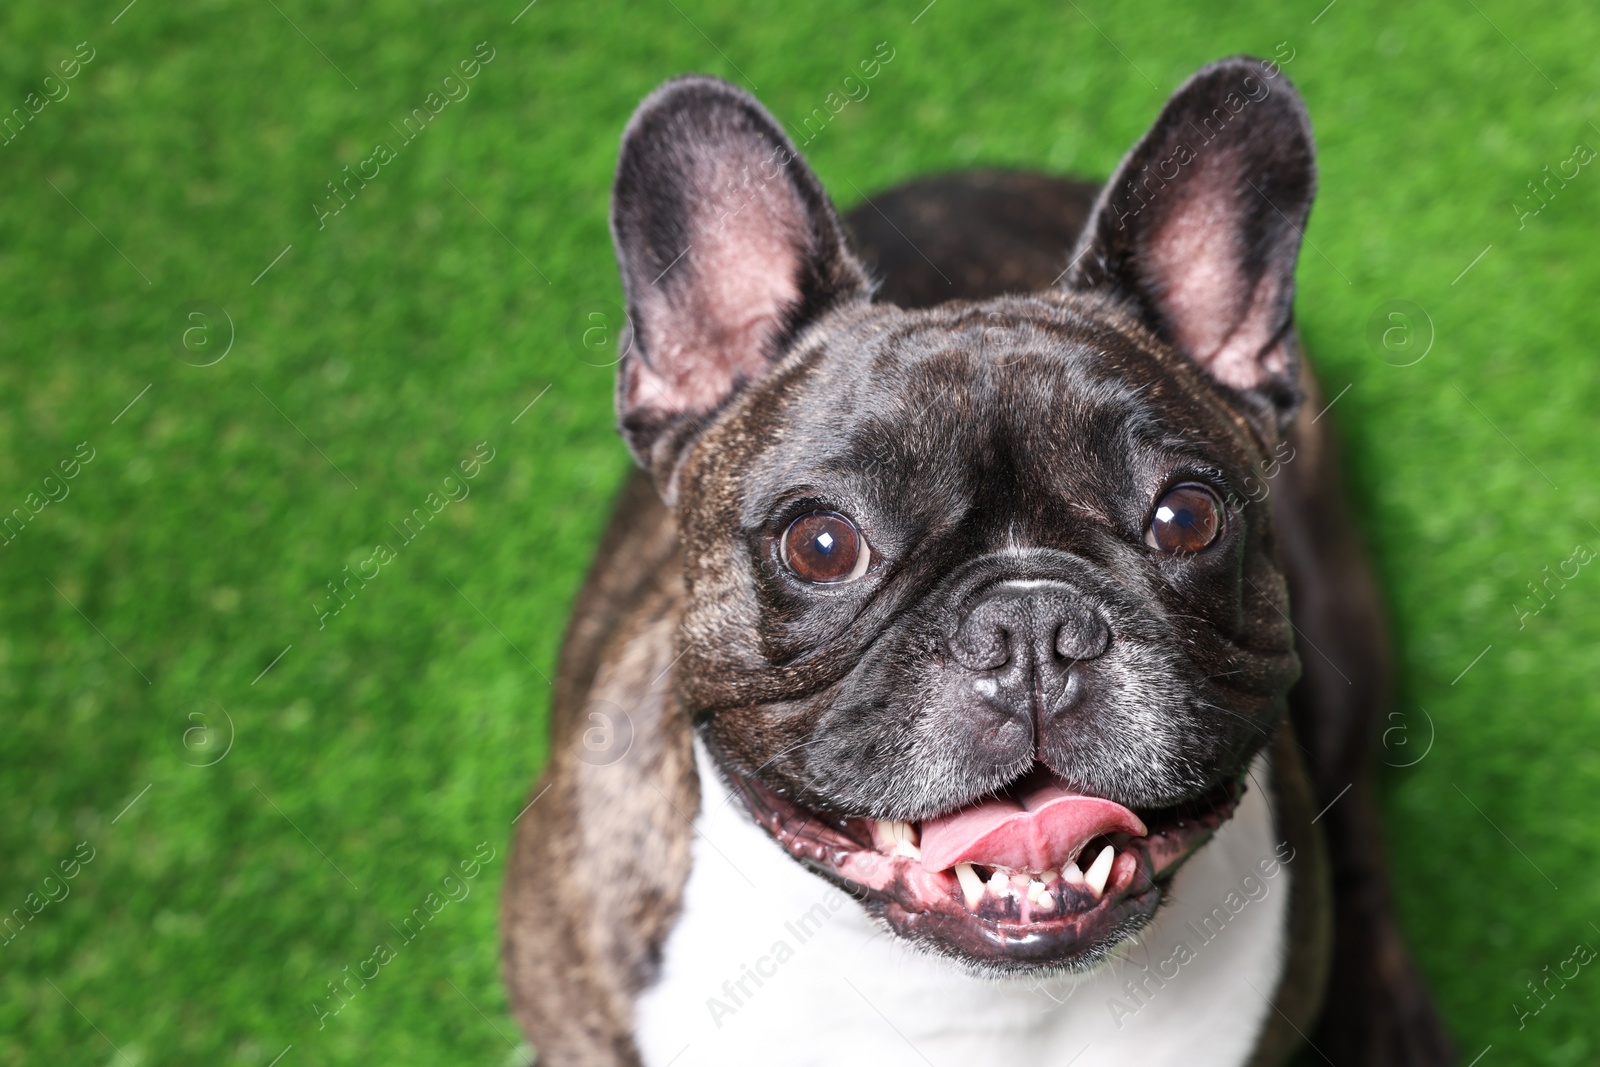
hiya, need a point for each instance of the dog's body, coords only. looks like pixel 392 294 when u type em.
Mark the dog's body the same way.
pixel 649 917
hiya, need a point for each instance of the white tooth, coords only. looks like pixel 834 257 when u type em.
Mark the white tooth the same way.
pixel 1100 870
pixel 971 884
pixel 903 835
pixel 1049 877
pixel 1035 888
pixel 1071 875
pixel 886 828
pixel 1046 901
pixel 999 882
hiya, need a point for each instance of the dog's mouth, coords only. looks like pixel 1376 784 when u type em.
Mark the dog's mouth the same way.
pixel 1035 878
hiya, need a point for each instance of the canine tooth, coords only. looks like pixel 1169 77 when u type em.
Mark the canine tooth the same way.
pixel 1046 901
pixel 1071 875
pixel 1035 889
pixel 1100 870
pixel 971 884
pixel 900 837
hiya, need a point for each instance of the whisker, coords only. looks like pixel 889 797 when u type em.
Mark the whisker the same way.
pixel 1257 727
pixel 775 758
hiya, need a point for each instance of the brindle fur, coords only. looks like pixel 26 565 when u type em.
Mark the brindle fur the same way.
pixel 1376 1009
pixel 601 856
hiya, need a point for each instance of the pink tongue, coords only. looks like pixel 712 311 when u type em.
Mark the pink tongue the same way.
pixel 1040 831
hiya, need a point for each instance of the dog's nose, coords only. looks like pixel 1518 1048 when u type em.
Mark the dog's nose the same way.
pixel 1029 631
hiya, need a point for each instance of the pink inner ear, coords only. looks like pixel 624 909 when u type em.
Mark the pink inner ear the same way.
pixel 1219 314
pixel 713 312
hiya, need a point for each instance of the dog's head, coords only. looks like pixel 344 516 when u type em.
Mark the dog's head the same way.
pixel 979 619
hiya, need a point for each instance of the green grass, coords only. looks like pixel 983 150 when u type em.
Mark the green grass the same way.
pixel 380 750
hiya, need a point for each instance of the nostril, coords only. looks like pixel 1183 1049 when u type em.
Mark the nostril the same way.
pixel 986 650
pixel 1082 637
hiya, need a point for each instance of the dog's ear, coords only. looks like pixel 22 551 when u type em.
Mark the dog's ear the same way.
pixel 728 248
pixel 1201 226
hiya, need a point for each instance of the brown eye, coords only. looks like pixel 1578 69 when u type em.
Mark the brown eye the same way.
pixel 825 547
pixel 1187 519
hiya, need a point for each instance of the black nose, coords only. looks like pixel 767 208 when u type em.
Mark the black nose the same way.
pixel 1029 633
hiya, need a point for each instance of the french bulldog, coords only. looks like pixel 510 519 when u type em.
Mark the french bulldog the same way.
pixel 983 661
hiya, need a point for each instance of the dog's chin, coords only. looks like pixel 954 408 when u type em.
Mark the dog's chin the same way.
pixel 996 920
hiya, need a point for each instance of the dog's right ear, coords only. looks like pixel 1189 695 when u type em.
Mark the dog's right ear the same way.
pixel 728 248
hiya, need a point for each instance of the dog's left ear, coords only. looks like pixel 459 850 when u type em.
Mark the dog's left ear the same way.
pixel 1200 228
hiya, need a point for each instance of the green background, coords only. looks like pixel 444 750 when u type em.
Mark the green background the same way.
pixel 382 748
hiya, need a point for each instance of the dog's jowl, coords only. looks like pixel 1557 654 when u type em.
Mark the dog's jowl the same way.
pixel 942 691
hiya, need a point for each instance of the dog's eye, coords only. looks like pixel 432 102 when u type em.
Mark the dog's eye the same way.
pixel 824 547
pixel 1187 519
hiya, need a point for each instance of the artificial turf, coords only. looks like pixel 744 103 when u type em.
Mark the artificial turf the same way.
pixel 242 860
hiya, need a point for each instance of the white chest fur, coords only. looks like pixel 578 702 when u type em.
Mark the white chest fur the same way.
pixel 769 964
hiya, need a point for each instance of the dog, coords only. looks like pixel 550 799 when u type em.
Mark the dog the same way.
pixel 982 660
